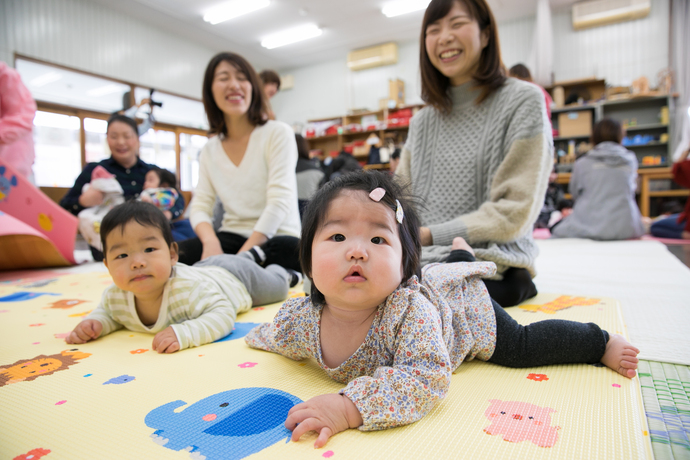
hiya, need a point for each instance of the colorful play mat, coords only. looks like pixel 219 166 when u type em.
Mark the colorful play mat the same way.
pixel 115 398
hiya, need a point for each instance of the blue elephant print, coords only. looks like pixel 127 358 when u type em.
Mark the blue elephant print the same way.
pixel 230 425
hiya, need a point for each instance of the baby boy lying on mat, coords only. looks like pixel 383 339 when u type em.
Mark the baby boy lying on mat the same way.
pixel 184 306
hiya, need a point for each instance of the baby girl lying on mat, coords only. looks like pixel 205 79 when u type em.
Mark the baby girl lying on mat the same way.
pixel 183 306
pixel 393 339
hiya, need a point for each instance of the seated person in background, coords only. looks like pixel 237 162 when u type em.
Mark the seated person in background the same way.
pixel 563 210
pixel 17 112
pixel 271 83
pixel 161 191
pixel 554 195
pixel 603 186
pixel 395 159
pixel 184 306
pixel 677 226
pixel 310 176
pixel 250 165
pixel 124 163
pixel 521 72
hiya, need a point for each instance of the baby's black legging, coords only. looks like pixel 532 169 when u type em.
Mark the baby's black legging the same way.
pixel 552 341
pixel 515 286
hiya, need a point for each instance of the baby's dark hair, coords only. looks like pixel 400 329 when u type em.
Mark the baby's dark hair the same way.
pixel 165 177
pixel 365 181
pixel 142 213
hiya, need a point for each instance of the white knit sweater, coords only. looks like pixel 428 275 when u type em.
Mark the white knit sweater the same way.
pixel 258 195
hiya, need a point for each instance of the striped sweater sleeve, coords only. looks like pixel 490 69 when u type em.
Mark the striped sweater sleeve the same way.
pixel 112 298
pixel 208 317
pixel 517 190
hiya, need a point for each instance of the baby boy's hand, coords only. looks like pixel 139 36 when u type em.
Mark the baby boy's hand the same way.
pixel 166 341
pixel 326 414
pixel 89 329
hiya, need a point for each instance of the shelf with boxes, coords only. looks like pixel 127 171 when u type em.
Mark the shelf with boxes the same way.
pixel 645 119
pixel 644 116
pixel 352 133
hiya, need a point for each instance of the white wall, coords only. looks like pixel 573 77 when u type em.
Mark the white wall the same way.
pixel 88 36
pixel 330 89
pixel 618 53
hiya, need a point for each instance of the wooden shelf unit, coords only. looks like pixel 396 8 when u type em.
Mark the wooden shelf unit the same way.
pixel 336 142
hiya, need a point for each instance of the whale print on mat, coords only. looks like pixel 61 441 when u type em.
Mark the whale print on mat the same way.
pixel 23 295
pixel 239 331
pixel 520 421
pixel 230 425
pixel 41 365
pixel 561 303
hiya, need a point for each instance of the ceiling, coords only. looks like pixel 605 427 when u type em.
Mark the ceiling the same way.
pixel 346 25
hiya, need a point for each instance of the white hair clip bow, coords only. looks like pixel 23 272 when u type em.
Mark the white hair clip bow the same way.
pixel 399 214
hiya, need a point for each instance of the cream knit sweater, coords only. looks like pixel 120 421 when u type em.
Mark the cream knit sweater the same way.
pixel 260 194
pixel 481 172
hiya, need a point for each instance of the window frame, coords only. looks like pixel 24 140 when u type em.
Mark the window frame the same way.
pixel 56 193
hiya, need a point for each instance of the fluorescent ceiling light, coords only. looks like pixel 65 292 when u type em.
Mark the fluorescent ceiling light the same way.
pixel 233 9
pixel 103 90
pixel 45 79
pixel 291 36
pixel 403 7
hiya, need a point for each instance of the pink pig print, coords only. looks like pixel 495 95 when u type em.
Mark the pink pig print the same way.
pixel 519 421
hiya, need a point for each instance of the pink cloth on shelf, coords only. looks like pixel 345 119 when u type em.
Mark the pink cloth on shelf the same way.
pixel 17 111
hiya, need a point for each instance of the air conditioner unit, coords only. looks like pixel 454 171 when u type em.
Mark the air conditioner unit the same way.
pixel 374 56
pixel 599 12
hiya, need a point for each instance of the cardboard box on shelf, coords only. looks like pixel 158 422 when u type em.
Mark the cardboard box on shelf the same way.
pixel 396 92
pixel 575 123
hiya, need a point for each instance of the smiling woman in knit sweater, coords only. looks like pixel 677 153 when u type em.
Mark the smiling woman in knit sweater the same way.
pixel 479 155
pixel 250 166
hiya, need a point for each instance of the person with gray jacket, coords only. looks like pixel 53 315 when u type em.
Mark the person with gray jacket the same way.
pixel 603 187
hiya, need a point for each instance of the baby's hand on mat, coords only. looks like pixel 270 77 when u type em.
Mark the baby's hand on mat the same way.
pixel 326 414
pixel 166 341
pixel 89 329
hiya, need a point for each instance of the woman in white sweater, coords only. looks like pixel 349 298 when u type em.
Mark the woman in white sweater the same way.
pixel 250 166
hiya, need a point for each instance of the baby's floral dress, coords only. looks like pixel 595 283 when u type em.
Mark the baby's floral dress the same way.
pixel 419 336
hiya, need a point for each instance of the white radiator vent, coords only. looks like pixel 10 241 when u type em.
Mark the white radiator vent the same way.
pixel 374 56
pixel 599 12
